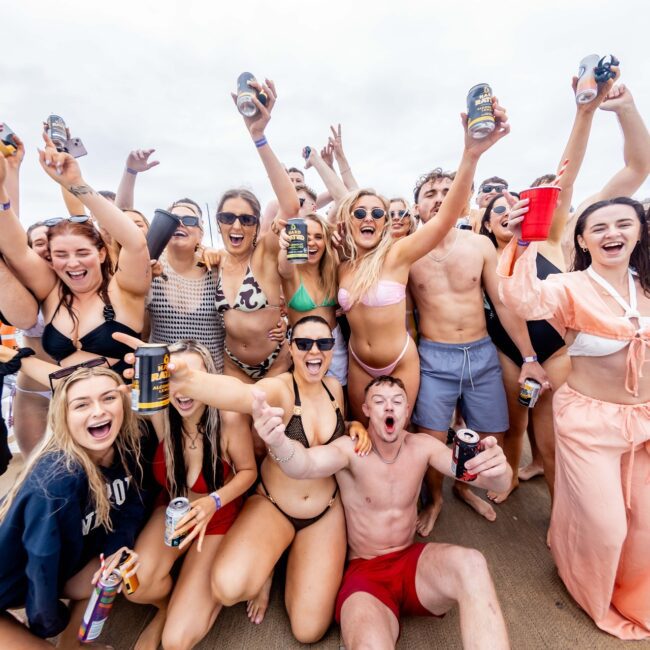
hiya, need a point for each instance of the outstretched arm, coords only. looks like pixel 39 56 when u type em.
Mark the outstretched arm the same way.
pixel 332 182
pixel 13 174
pixel 137 161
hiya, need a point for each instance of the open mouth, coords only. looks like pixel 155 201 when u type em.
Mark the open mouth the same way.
pixel 100 431
pixel 504 223
pixel 314 366
pixel 180 233
pixel 236 240
pixel 390 424
pixel 76 275
pixel 312 251
pixel 613 247
pixel 368 230
pixel 184 403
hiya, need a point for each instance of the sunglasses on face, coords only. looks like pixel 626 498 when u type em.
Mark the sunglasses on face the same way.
pixel 499 209
pixel 79 218
pixel 302 201
pixel 66 372
pixel 229 218
pixel 304 345
pixel 486 189
pixel 399 214
pixel 189 220
pixel 375 213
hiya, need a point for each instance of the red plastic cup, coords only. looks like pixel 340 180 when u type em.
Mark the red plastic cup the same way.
pixel 537 221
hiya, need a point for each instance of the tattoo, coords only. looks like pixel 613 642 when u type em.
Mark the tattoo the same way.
pixel 78 190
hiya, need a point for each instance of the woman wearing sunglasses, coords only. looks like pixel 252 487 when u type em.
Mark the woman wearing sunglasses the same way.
pixel 84 492
pixel 248 290
pixel 403 221
pixel 84 300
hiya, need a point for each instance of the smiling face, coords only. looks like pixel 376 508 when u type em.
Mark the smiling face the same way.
pixel 77 261
pixel 238 239
pixel 611 234
pixel 498 221
pixel 488 191
pixel 386 407
pixel 39 245
pixel 311 365
pixel 400 226
pixel 95 413
pixel 431 196
pixel 367 232
pixel 185 238
pixel 315 242
pixel 187 408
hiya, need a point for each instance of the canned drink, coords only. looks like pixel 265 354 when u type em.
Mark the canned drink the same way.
pixel 245 94
pixel 298 252
pixel 480 116
pixel 176 510
pixel 529 393
pixel 58 132
pixel 131 583
pixel 467 444
pixel 150 391
pixel 8 146
pixel 99 607
pixel 587 87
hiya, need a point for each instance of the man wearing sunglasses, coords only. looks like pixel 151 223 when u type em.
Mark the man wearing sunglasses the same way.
pixel 488 189
pixel 389 574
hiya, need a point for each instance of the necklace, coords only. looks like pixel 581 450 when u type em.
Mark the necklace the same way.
pixel 388 462
pixel 193 439
pixel 447 254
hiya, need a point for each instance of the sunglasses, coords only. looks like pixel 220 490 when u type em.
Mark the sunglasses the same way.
pixel 228 218
pixel 304 345
pixel 375 213
pixel 66 372
pixel 189 220
pixel 399 214
pixel 499 209
pixel 78 218
pixel 302 201
pixel 486 189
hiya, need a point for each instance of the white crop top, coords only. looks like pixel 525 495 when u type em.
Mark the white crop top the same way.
pixel 590 345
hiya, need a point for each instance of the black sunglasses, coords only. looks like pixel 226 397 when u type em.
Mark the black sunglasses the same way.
pixel 228 218
pixel 499 209
pixel 189 220
pixel 375 213
pixel 486 189
pixel 399 214
pixel 301 200
pixel 78 218
pixel 304 345
pixel 66 372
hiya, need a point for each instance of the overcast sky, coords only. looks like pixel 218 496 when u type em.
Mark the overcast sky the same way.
pixel 146 73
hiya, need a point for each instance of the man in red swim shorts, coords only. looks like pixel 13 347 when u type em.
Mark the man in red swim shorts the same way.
pixel 389 575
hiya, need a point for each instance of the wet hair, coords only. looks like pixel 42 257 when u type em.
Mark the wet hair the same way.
pixel 295 170
pixel 308 190
pixel 384 379
pixel 640 258
pixel 434 175
pixel 107 194
pixel 546 179
pixel 185 203
pixel 31 229
pixel 492 180
pixel 309 319
pixel 485 219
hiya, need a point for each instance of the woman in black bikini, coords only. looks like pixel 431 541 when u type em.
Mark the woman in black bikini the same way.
pixel 305 515
pixel 83 300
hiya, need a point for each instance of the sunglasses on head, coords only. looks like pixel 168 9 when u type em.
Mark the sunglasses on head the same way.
pixel 304 345
pixel 375 213
pixel 189 220
pixel 499 209
pixel 66 372
pixel 399 214
pixel 78 218
pixel 486 189
pixel 228 218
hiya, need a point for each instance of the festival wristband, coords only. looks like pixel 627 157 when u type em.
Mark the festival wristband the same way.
pixel 261 142
pixel 532 359
pixel 5 206
pixel 130 170
pixel 217 499
pixel 521 242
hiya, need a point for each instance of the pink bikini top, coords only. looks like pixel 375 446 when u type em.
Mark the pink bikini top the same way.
pixel 382 294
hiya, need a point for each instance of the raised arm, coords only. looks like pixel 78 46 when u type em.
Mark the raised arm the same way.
pixel 332 182
pixel 336 143
pixel 13 174
pixel 137 161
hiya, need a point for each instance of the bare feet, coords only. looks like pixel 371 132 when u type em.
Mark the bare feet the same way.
pixel 530 471
pixel 475 502
pixel 500 497
pixel 256 608
pixel 427 518
pixel 151 636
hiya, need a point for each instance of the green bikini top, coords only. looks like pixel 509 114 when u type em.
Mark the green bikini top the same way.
pixel 302 301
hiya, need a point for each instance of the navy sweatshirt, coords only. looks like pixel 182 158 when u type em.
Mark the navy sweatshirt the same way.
pixel 50 533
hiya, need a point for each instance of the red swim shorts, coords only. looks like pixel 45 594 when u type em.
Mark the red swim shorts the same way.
pixel 389 578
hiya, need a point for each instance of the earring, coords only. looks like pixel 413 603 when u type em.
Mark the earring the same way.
pixel 584 250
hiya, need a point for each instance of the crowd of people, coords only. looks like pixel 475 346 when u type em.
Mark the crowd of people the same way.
pixel 312 405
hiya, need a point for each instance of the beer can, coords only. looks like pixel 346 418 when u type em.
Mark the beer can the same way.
pixel 245 94
pixel 99 607
pixel 296 229
pixel 480 116
pixel 529 393
pixel 176 510
pixel 467 444
pixel 150 390
pixel 58 132
pixel 587 88
pixel 131 583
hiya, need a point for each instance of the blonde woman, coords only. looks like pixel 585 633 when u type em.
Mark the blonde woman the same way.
pixel 403 220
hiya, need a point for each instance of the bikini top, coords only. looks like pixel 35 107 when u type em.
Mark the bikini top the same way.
pixel 98 341
pixel 382 294
pixel 250 296
pixel 294 428
pixel 302 301
pixel 590 345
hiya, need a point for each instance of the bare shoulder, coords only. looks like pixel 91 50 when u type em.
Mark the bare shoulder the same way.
pixel 335 388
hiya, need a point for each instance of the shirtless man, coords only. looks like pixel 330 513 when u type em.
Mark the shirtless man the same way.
pixel 388 574
pixel 458 361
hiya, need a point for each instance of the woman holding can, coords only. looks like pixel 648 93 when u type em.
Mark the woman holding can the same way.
pixel 600 523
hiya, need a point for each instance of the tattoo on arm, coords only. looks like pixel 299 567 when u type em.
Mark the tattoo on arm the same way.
pixel 78 190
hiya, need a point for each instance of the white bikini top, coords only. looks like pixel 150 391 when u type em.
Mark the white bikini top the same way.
pixel 590 345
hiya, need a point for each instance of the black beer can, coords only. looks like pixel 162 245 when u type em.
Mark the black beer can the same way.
pixel 297 231
pixel 480 116
pixel 245 94
pixel 529 393
pixel 150 391
pixel 467 444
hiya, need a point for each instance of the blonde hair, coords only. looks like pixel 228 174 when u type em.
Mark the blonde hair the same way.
pixel 329 262
pixel 366 268
pixel 73 455
pixel 413 218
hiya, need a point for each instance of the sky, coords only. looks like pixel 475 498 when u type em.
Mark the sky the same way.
pixel 129 75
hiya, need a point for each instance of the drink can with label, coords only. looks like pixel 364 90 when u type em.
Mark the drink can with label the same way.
pixel 176 510
pixel 529 393
pixel 467 444
pixel 150 390
pixel 99 606
pixel 480 116
pixel 297 252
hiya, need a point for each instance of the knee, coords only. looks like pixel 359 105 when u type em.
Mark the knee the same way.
pixel 180 637
pixel 469 566
pixel 228 586
pixel 306 631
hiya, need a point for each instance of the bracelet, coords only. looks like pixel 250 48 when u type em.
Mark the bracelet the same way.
pixel 261 142
pixel 532 359
pixel 217 499
pixel 5 206
pixel 130 170
pixel 286 459
pixel 521 242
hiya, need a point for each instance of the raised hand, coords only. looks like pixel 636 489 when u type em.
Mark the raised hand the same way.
pixel 603 91
pixel 518 210
pixel 335 141
pixel 268 420
pixel 15 160
pixel 327 154
pixel 617 99
pixel 258 122
pixel 138 160
pixel 61 167
pixel 501 129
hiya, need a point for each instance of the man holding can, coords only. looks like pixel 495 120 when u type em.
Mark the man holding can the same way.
pixel 388 574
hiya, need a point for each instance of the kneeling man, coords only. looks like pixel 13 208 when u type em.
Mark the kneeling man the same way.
pixel 390 575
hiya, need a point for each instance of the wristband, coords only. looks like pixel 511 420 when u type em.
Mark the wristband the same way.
pixel 130 170
pixel 5 206
pixel 286 459
pixel 261 142
pixel 217 499
pixel 532 359
pixel 521 242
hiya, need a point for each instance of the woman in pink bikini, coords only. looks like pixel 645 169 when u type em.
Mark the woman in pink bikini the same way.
pixel 600 524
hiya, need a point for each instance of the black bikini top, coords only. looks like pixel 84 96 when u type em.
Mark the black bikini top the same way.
pixel 98 341
pixel 294 428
